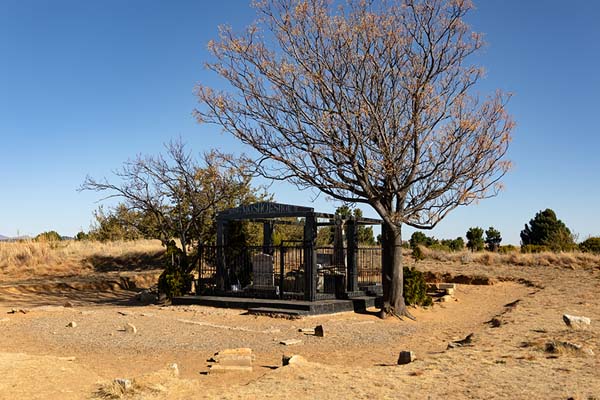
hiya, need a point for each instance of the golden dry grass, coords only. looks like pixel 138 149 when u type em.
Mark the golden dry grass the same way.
pixel 545 259
pixel 25 259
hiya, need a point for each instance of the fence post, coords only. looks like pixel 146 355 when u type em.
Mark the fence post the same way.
pixel 310 257
pixel 351 255
pixel 281 270
pixel 200 258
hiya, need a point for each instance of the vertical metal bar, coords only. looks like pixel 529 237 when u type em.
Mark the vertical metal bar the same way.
pixel 281 269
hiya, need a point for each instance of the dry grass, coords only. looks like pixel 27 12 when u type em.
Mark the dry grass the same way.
pixel 19 260
pixel 545 259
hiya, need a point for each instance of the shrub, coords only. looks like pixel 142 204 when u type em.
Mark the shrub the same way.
pixel 415 288
pixel 419 238
pixel 507 249
pixel 534 248
pixel 49 236
pixel 440 247
pixel 174 281
pixel 590 245
pixel 454 244
pixel 417 253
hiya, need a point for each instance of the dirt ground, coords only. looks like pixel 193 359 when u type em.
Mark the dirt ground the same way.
pixel 43 358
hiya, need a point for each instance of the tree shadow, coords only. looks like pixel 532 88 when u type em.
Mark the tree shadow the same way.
pixel 134 261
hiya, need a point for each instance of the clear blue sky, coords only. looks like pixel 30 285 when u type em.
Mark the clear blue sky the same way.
pixel 84 85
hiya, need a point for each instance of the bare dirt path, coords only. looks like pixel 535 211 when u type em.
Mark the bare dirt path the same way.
pixel 40 357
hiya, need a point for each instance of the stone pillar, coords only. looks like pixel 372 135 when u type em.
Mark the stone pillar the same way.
pixel 220 273
pixel 268 237
pixel 310 258
pixel 352 255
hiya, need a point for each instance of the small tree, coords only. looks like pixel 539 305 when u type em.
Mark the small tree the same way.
pixel 369 102
pixel 182 197
pixel 475 239
pixel 492 239
pixel 545 229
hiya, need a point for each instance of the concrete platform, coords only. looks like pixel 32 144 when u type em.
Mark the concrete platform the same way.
pixel 295 307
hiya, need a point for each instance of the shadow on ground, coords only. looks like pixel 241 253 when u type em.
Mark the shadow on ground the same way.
pixel 135 261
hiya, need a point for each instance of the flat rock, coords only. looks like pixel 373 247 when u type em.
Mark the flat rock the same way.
pixel 290 342
pixel 575 321
pixel 446 298
pixel 219 368
pixel 446 286
pixel 239 357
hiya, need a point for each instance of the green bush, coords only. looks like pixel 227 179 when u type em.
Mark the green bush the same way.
pixel 454 244
pixel 174 281
pixel 419 238
pixel 417 253
pixel 509 248
pixel 534 248
pixel 590 245
pixel 415 288
pixel 440 247
pixel 49 236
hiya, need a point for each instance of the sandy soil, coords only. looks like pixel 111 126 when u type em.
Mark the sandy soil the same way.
pixel 42 358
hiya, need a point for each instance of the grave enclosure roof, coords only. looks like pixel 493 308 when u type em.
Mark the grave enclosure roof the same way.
pixel 265 210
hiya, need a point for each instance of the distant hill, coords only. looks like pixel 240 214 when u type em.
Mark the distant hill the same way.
pixel 13 239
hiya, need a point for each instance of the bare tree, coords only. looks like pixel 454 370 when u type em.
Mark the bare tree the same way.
pixel 369 103
pixel 179 194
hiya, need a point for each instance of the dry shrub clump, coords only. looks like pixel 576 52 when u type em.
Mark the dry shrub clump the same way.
pixel 42 258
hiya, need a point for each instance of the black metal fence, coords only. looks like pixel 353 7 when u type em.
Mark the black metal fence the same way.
pixel 279 271
pixel 368 264
pixel 257 271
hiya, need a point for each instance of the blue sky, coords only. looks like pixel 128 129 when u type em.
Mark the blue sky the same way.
pixel 86 85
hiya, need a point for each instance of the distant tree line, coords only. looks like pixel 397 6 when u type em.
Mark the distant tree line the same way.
pixel 544 232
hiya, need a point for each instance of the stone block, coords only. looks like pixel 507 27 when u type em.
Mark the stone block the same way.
pixel 406 357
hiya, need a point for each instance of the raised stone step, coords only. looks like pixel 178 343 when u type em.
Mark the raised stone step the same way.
pixel 273 310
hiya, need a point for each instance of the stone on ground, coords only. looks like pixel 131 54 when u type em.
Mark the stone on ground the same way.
pixel 319 331
pixel 72 324
pixel 232 360
pixel 293 360
pixel 575 321
pixel 130 328
pixel 406 357
pixel 290 342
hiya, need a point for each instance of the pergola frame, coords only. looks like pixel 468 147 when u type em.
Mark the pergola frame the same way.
pixel 268 212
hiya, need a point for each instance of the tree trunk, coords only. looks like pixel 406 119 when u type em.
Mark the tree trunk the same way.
pixel 392 279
